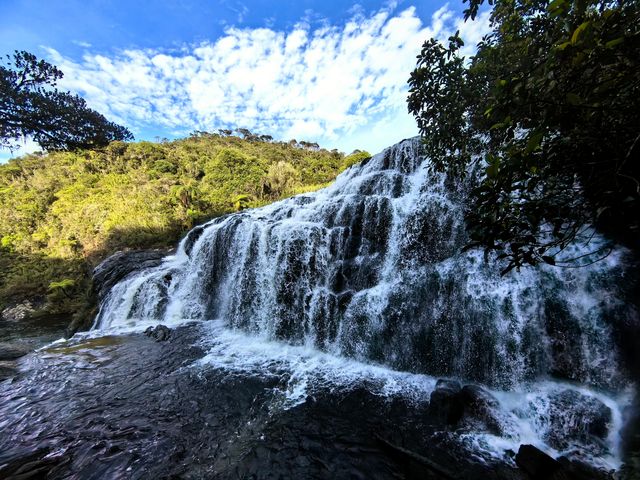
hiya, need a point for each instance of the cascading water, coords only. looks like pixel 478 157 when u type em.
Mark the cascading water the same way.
pixel 371 269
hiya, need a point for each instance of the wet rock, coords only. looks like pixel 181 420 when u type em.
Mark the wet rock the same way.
pixel 445 403
pixel 192 237
pixel 538 465
pixel 411 457
pixel 7 370
pixel 120 265
pixel 470 406
pixel 563 331
pixel 11 351
pixel 481 407
pixel 83 318
pixel 574 416
pixel 161 333
pixel 582 471
pixel 21 310
pixel 39 464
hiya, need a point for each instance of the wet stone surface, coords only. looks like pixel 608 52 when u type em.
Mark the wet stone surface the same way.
pixel 31 333
pixel 132 407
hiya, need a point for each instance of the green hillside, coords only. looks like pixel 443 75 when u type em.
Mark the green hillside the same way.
pixel 61 213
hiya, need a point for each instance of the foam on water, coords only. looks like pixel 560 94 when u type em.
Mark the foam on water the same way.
pixel 307 371
pixel 526 416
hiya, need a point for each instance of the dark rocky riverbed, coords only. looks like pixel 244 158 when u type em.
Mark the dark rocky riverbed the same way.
pixel 22 336
pixel 33 332
pixel 154 406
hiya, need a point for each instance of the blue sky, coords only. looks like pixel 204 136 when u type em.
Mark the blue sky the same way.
pixel 333 72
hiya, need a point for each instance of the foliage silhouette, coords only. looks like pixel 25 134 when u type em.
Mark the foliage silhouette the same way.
pixel 32 106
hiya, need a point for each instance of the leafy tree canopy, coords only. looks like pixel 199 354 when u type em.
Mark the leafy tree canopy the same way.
pixel 550 108
pixel 281 177
pixel 31 106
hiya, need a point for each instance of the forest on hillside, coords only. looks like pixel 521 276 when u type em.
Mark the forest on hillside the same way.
pixel 62 212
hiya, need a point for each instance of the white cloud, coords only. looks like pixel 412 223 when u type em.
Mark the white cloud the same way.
pixel 81 43
pixel 331 84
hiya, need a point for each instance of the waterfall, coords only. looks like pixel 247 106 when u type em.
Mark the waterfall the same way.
pixel 371 270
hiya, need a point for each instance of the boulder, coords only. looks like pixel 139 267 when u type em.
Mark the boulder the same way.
pixel 445 403
pixel 538 465
pixel 583 471
pixel 120 265
pixel 469 406
pixel 7 370
pixel 575 417
pixel 24 309
pixel 160 333
pixel 12 351
pixel 481 407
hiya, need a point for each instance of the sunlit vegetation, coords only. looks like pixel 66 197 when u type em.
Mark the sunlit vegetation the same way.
pixel 63 212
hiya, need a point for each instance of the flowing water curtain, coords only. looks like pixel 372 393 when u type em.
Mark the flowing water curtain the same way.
pixel 371 267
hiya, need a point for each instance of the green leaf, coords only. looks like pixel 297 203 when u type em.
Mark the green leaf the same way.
pixel 534 142
pixel 556 5
pixel 505 123
pixel 615 42
pixel 578 31
pixel 494 166
pixel 556 8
